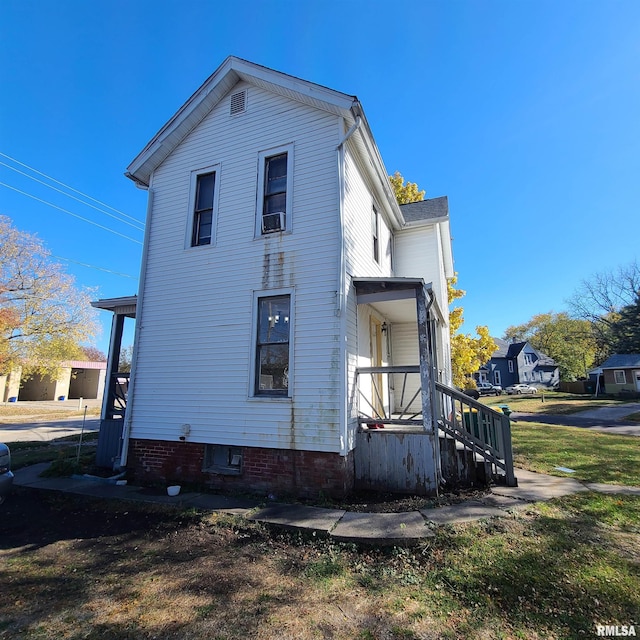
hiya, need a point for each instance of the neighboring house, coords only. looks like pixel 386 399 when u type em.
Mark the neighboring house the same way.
pixel 517 362
pixel 621 373
pixel 280 281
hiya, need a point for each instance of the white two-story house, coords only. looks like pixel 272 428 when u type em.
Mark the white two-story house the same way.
pixel 292 318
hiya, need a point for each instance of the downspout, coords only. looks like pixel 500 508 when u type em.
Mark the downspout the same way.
pixel 341 188
pixel 340 289
pixel 126 431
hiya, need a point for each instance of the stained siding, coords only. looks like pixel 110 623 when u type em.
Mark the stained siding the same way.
pixel 195 341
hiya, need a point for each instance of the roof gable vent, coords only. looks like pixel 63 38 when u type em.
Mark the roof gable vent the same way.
pixel 238 102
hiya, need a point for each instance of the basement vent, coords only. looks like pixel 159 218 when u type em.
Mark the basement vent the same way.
pixel 238 102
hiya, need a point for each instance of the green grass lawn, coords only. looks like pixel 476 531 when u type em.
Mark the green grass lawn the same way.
pixel 24 454
pixel 595 456
pixel 551 402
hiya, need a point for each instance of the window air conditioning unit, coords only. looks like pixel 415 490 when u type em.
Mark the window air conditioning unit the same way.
pixel 273 222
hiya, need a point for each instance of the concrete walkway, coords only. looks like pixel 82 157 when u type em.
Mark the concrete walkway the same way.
pixel 371 528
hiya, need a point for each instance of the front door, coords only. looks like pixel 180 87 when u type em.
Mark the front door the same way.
pixel 375 333
pixel 637 375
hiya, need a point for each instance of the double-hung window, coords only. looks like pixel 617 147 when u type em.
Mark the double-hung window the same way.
pixel 274 190
pixel 619 376
pixel 272 345
pixel 375 232
pixel 203 189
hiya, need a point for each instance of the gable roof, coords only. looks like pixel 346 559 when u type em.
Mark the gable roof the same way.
pixel 512 349
pixel 234 70
pixel 432 209
pixel 621 361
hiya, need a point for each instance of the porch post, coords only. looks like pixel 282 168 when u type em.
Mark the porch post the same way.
pixel 425 359
pixel 113 363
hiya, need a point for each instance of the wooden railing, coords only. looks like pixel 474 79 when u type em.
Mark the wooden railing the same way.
pixel 479 429
pixel 482 435
pixel 118 390
pixel 403 383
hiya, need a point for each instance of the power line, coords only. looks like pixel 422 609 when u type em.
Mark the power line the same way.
pixel 139 226
pixel 22 164
pixel 75 215
pixel 93 266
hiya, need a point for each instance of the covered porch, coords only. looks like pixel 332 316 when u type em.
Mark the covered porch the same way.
pixel 415 432
pixel 114 401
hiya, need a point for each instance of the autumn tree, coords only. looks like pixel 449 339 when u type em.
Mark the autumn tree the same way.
pixel 93 354
pixel 405 193
pixel 569 341
pixel 43 316
pixel 468 353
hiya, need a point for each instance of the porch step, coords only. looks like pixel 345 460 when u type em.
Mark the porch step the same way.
pixel 460 465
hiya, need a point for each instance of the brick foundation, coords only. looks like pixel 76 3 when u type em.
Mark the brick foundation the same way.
pixel 278 471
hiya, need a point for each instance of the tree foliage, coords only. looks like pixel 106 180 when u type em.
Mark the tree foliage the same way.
pixel 468 353
pixel 569 341
pixel 625 332
pixel 93 354
pixel 405 193
pixel 43 316
pixel 600 300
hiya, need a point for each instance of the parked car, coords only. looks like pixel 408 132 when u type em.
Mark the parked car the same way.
pixel 6 477
pixel 488 389
pixel 520 389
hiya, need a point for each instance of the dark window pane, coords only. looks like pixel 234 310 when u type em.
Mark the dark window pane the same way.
pixel 273 373
pixel 275 203
pixel 276 174
pixel 206 185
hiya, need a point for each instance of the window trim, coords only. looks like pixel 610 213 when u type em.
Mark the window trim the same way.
pixel 616 377
pixel 193 184
pixel 253 391
pixel 496 377
pixel 263 156
pixel 375 232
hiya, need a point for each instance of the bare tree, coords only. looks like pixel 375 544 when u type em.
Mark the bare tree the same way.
pixel 600 299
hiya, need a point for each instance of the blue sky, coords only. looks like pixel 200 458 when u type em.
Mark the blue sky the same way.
pixel 526 114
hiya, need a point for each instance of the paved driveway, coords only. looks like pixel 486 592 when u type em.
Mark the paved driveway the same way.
pixel 605 419
pixel 46 430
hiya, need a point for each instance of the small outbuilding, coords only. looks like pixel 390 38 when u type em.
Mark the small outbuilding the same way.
pixel 621 373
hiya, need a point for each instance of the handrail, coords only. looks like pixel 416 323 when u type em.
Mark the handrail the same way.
pixel 479 428
pixel 117 401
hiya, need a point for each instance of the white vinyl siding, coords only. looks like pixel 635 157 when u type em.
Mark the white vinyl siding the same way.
pixel 359 262
pixel 198 306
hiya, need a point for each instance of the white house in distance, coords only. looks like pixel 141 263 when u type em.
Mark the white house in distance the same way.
pixel 292 319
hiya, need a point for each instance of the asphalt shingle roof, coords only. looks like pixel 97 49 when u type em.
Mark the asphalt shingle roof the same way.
pixel 426 209
pixel 621 361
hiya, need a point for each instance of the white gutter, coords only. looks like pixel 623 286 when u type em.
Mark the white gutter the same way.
pixel 341 188
pixel 340 290
pixel 126 431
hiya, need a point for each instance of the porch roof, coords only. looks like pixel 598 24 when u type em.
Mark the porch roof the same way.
pixel 394 297
pixel 124 306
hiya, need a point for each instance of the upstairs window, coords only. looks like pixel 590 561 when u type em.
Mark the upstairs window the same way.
pixel 274 191
pixel 510 366
pixel 272 346
pixel 204 198
pixel 528 359
pixel 375 232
